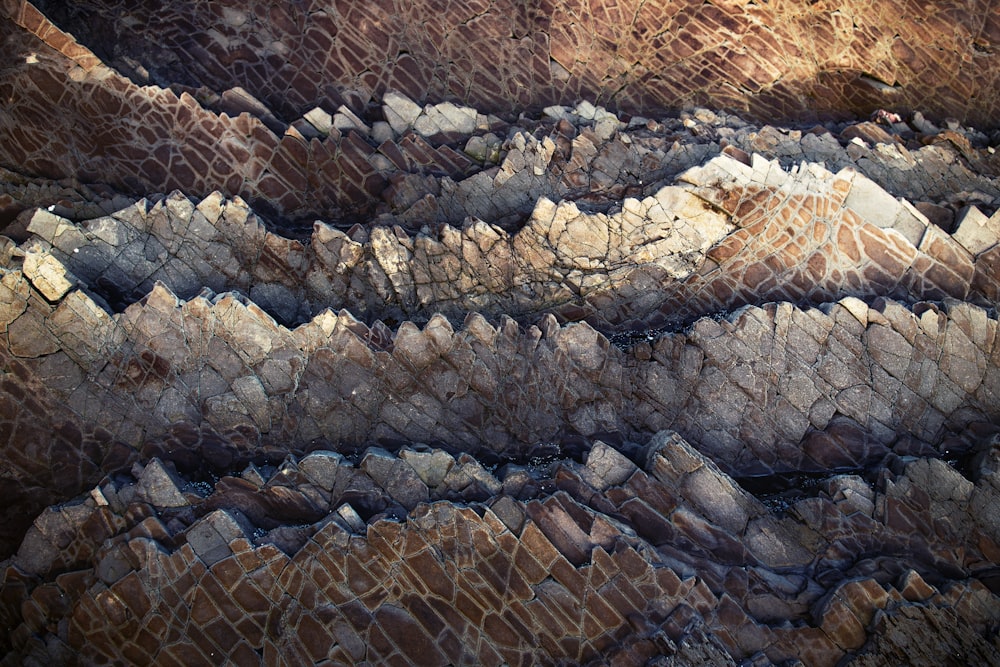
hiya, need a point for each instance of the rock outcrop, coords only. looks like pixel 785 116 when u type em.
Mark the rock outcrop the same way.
pixel 327 338
pixel 287 126
pixel 594 562
pixel 766 59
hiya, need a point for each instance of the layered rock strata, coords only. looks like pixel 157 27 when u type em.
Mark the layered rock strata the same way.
pixel 68 115
pixel 216 379
pixel 768 59
pixel 725 234
pixel 602 562
pixel 304 360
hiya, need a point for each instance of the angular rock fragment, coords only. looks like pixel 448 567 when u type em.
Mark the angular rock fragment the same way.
pixel 393 473
pixel 158 487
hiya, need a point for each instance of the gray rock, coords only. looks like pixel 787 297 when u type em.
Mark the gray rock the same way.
pixel 113 565
pixel 158 486
pixel 517 481
pixel 47 274
pixel 607 466
pixel 319 119
pixel 351 518
pixel 36 552
pixel 975 231
pixel 400 111
pixel 431 465
pixel 510 511
pixel 210 536
pixel 399 479
pixel 469 479
pixel 324 469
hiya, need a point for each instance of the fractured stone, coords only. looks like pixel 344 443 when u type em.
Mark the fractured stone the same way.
pixel 695 388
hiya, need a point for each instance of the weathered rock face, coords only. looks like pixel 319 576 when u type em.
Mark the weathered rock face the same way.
pixel 69 116
pixel 595 562
pixel 568 386
pixel 643 263
pixel 774 59
pixel 216 379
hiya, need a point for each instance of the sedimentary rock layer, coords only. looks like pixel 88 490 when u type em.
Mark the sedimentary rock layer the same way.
pixel 107 369
pixel 726 234
pixel 68 115
pixel 595 563
pixel 211 375
pixel 216 380
pixel 305 360
pixel 773 60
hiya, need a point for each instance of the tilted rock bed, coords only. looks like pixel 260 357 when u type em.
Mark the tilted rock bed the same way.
pixel 394 383
pixel 294 124
pixel 603 561
pixel 212 383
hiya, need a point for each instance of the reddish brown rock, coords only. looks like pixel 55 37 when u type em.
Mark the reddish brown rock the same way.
pixel 217 128
pixel 586 575
pixel 801 468
pixel 505 56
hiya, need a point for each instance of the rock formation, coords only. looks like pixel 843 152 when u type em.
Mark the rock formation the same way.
pixel 604 561
pixel 322 344
pixel 273 104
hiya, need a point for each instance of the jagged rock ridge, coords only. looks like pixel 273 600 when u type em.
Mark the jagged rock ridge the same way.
pixel 836 387
pixel 641 264
pixel 215 378
pixel 606 561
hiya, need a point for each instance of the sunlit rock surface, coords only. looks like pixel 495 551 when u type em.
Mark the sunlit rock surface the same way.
pixel 352 335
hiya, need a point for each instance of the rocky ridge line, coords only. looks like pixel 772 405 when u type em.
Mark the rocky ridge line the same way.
pixel 218 380
pixel 215 381
pixel 604 561
pixel 638 266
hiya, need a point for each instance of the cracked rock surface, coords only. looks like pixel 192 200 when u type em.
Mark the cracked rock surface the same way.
pixel 328 340
pixel 605 560
pixel 281 105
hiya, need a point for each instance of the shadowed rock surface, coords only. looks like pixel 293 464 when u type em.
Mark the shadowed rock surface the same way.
pixel 350 335
pixel 69 115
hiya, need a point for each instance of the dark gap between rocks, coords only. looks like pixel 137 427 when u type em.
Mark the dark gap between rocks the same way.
pixel 779 492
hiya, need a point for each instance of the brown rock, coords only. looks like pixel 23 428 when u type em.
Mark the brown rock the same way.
pixel 627 296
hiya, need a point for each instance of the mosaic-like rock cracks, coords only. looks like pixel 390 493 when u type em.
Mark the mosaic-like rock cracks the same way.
pixel 726 234
pixel 773 60
pixel 216 381
pixel 70 116
pixel 537 388
pixel 606 561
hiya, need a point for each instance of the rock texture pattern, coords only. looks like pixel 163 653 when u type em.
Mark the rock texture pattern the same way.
pixel 329 336
pixel 68 115
pixel 604 561
pixel 769 59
